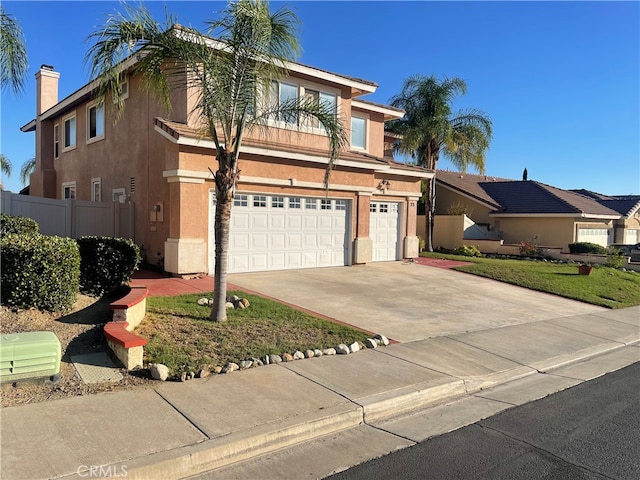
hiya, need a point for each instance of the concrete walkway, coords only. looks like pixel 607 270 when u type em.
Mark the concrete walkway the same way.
pixel 497 347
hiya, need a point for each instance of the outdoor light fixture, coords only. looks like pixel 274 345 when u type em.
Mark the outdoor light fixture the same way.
pixel 384 185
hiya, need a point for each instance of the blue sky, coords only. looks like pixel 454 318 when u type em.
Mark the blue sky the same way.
pixel 560 80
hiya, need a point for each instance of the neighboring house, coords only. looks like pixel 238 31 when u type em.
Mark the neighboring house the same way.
pixel 282 216
pixel 531 211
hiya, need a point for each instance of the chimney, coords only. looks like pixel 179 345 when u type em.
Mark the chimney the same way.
pixel 46 88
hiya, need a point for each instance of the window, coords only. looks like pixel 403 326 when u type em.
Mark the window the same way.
pixel 341 204
pixel 372 208
pixel 277 202
pixel 240 201
pixel 119 195
pixel 56 141
pixel 259 201
pixel 358 132
pixel 327 100
pixel 69 190
pixel 294 202
pixel 96 190
pixel 384 208
pixel 95 122
pixel 311 204
pixel 70 133
pixel 286 93
pixel 325 204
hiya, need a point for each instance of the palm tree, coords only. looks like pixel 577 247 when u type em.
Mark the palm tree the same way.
pixel 13 61
pixel 252 49
pixel 27 169
pixel 5 165
pixel 428 128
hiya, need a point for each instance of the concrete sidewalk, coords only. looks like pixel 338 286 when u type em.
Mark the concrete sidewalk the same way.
pixel 378 399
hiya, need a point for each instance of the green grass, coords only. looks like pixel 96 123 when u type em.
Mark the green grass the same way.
pixel 181 336
pixel 605 286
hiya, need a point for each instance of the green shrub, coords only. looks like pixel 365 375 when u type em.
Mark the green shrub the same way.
pixel 39 271
pixel 467 251
pixel 16 224
pixel 587 247
pixel 614 258
pixel 106 263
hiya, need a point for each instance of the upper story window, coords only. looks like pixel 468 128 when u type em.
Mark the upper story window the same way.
pixel 282 93
pixel 69 140
pixel 95 122
pixel 358 133
pixel 56 141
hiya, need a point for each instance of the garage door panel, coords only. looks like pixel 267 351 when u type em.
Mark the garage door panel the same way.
pixel 279 232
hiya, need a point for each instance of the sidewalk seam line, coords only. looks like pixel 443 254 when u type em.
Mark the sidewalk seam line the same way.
pixel 206 435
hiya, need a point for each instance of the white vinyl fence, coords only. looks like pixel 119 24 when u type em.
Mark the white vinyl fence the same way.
pixel 72 218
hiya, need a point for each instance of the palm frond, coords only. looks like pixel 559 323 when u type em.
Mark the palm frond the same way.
pixel 14 62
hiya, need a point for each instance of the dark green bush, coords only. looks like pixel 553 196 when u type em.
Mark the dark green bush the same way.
pixel 106 263
pixel 39 271
pixel 587 247
pixel 15 224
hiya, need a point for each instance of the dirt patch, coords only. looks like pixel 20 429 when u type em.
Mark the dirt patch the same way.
pixel 79 332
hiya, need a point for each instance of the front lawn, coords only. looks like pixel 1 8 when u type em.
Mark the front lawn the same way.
pixel 182 337
pixel 605 286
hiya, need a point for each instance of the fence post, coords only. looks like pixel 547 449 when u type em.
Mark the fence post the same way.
pixel 5 202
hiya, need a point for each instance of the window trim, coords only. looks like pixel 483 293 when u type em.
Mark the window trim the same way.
pixel 66 119
pixel 70 185
pixel 94 182
pixel 100 136
pixel 121 193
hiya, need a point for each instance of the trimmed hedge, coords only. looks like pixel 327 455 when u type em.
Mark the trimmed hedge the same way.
pixel 16 224
pixel 106 263
pixel 39 271
pixel 587 247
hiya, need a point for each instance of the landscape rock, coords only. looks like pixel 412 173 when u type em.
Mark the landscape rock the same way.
pixel 329 351
pixel 298 355
pixel 217 370
pixel 383 340
pixel 275 358
pixel 203 301
pixel 183 377
pixel 159 371
pixel 287 357
pixel 370 343
pixel 246 364
pixel 229 305
pixel 317 352
pixel 257 362
pixel 354 347
pixel 244 302
pixel 230 367
pixel 204 373
pixel 342 349
pixel 309 354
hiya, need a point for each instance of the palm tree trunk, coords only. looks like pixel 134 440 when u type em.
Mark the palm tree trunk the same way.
pixel 430 210
pixel 223 221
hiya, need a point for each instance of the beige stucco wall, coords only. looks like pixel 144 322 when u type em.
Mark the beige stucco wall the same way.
pixel 476 211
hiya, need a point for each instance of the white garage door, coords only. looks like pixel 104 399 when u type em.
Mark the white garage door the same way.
pixel 272 232
pixel 600 236
pixel 384 230
pixel 631 237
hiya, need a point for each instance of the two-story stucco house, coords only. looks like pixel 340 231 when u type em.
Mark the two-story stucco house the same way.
pixel 282 217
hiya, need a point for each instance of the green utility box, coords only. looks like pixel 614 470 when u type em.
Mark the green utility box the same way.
pixel 29 355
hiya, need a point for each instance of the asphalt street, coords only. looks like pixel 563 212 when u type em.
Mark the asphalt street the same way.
pixel 589 431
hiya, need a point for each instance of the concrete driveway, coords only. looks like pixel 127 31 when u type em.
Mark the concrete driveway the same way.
pixel 407 301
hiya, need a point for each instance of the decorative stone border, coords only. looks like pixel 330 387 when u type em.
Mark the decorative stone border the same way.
pixel 128 312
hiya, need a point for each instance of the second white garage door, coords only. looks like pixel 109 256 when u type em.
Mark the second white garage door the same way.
pixel 272 232
pixel 384 231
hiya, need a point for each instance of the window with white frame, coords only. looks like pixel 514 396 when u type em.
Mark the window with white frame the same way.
pixel 95 122
pixel 358 132
pixel 119 195
pixel 327 100
pixel 294 202
pixel 311 204
pixel 69 190
pixel 56 140
pixel 96 190
pixel 240 200
pixel 282 93
pixel 259 201
pixel 69 132
pixel 277 202
pixel 341 204
pixel 325 204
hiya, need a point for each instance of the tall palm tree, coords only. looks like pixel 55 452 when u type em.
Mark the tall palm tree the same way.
pixel 252 49
pixel 13 53
pixel 429 128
